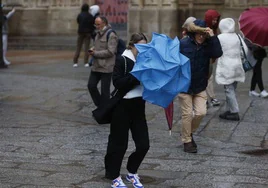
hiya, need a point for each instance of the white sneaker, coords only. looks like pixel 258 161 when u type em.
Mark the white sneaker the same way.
pixel 86 65
pixel 75 65
pixel 118 183
pixel 254 93
pixel 264 94
pixel 7 62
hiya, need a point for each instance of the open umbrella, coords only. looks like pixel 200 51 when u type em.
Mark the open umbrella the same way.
pixel 253 25
pixel 162 69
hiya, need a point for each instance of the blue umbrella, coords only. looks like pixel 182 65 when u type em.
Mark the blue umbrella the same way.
pixel 162 69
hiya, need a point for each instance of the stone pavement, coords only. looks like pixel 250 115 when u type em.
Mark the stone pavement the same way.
pixel 48 138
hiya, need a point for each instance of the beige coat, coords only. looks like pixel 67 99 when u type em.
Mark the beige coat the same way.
pixel 104 55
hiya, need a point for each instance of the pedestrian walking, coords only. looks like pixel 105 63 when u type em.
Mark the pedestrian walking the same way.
pixel 85 29
pixel 103 54
pixel 212 18
pixel 128 115
pixel 229 69
pixel 5 34
pixel 259 53
pixel 199 47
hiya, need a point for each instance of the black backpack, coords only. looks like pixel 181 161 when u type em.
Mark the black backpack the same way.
pixel 121 45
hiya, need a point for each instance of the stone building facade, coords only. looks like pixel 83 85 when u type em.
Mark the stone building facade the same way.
pixel 58 17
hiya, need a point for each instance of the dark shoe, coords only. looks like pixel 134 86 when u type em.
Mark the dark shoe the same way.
pixel 230 116
pixel 193 142
pixel 189 148
pixel 233 116
pixel 223 115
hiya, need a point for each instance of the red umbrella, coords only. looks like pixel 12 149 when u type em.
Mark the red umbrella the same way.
pixel 169 115
pixel 253 25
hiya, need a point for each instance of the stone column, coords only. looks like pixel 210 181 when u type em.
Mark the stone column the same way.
pixel 149 16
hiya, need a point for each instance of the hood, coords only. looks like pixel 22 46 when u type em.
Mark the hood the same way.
pixel 188 21
pixel 197 26
pixel 94 9
pixel 84 8
pixel 227 25
pixel 209 16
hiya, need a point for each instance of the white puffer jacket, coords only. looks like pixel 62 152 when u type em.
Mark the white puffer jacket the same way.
pixel 229 66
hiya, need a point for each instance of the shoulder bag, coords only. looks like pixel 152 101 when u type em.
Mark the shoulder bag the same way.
pixel 103 113
pixel 245 62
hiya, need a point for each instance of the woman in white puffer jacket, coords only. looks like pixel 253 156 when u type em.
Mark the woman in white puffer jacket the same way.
pixel 229 68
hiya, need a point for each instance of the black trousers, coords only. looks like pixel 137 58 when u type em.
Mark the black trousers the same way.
pixel 257 76
pixel 128 115
pixel 104 95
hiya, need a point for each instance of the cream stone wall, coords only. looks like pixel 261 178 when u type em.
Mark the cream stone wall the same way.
pixel 58 17
pixel 43 17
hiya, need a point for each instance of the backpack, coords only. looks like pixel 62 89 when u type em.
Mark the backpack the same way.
pixel 121 45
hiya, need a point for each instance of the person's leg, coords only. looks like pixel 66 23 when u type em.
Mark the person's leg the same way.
pixel 210 92
pixel 210 88
pixel 255 76
pixel 186 106
pixel 231 101
pixel 105 86
pixel 259 75
pixel 86 47
pixel 200 110
pixel 93 81
pixel 139 132
pixel 118 141
pixel 79 44
pixel 5 42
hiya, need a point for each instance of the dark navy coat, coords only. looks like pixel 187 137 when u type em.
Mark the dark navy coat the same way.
pixel 200 56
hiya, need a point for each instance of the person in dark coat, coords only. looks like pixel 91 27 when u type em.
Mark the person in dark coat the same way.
pixel 85 29
pixel 128 115
pixel 199 47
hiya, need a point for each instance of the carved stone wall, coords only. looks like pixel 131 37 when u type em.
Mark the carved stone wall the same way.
pixel 167 16
pixel 58 17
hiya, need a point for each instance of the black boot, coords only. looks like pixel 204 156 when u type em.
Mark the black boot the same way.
pixel 230 116
pixel 233 117
pixel 223 115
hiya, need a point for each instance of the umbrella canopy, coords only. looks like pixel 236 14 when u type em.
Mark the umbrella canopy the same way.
pixel 162 69
pixel 253 25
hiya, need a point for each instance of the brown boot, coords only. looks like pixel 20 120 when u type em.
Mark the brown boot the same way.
pixel 189 148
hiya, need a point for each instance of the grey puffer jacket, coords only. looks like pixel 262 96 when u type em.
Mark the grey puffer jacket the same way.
pixel 104 55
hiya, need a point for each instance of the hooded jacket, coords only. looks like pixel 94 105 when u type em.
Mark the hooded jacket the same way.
pixel 199 55
pixel 85 20
pixel 209 16
pixel 229 66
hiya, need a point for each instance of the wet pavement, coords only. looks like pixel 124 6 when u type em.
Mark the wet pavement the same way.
pixel 49 139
